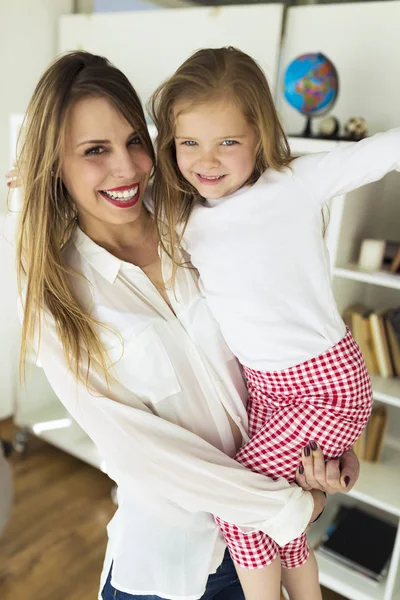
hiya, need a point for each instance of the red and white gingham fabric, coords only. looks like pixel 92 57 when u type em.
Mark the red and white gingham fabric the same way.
pixel 327 399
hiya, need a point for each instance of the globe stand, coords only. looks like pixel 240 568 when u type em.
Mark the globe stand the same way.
pixel 307 130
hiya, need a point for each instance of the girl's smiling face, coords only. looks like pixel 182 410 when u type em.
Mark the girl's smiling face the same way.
pixel 215 147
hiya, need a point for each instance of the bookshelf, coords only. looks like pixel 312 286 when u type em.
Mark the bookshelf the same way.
pixel 370 212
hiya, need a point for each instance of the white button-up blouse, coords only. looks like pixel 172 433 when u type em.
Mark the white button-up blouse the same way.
pixel 162 427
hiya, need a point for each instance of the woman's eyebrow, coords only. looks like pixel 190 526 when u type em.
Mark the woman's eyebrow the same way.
pixel 103 141
pixel 93 142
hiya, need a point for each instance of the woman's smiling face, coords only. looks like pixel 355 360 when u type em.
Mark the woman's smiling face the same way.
pixel 105 167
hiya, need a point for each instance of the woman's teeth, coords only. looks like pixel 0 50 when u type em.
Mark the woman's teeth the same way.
pixel 125 195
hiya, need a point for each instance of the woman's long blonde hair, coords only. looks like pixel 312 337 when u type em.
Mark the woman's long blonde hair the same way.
pixel 208 75
pixel 48 215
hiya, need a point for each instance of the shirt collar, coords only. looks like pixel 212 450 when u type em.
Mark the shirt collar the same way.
pixel 100 259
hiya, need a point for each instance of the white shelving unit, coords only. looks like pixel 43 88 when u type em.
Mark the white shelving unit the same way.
pixel 372 211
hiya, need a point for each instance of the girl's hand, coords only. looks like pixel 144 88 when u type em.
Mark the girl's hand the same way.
pixel 14 180
pixel 335 476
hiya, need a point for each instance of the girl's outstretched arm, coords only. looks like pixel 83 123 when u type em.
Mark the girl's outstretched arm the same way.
pixel 349 166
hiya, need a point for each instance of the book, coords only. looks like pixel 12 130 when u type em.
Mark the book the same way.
pixel 375 434
pixel 382 426
pixel 360 541
pixel 393 341
pixel 379 338
pixel 339 515
pixel 391 247
pixel 356 317
pixel 394 266
pixel 360 445
pixel 394 318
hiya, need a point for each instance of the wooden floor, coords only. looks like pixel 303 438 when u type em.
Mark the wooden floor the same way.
pixel 54 545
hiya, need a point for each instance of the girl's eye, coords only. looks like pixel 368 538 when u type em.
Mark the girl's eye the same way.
pixel 96 150
pixel 189 143
pixel 135 141
pixel 229 143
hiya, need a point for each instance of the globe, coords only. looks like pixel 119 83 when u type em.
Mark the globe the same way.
pixel 311 85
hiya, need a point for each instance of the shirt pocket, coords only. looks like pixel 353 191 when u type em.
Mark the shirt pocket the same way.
pixel 141 364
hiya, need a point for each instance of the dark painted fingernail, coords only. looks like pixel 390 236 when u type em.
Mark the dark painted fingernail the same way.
pixel 314 446
pixel 347 480
pixel 301 469
pixel 307 451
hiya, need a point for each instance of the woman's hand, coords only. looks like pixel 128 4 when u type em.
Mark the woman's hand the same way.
pixel 319 504
pixel 14 180
pixel 335 476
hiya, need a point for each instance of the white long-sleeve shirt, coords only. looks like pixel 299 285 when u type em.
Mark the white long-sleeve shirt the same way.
pixel 163 430
pixel 263 264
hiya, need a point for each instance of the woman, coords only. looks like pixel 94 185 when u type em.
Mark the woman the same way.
pixel 141 367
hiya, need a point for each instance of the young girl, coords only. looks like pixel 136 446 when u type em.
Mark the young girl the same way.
pixel 249 215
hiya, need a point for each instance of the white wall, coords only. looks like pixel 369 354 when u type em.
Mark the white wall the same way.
pixel 149 45
pixel 27 44
pixel 103 6
pixel 128 5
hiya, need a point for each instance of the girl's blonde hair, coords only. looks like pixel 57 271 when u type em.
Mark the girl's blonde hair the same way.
pixel 48 215
pixel 209 75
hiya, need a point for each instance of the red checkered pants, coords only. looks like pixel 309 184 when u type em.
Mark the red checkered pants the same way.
pixel 327 399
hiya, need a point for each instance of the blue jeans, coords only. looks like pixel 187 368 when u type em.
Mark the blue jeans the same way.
pixel 221 585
